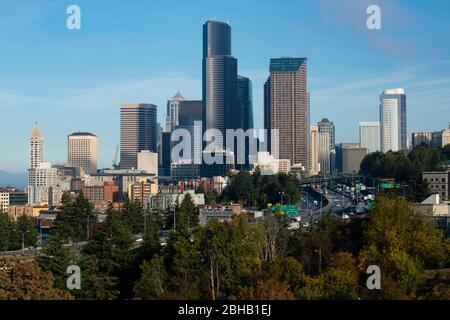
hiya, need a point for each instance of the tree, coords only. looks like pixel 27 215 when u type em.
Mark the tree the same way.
pixel 266 290
pixel 276 238
pixel 95 284
pixel 401 243
pixel 315 248
pixel 74 219
pixel 5 231
pixel 23 280
pixel 132 215
pixel 55 260
pixel 186 214
pixel 23 226
pixel 151 285
pixel 182 262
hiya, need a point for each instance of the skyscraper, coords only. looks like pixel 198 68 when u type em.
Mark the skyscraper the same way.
pixel 82 151
pixel 41 176
pixel 286 109
pixel 393 120
pixel 220 104
pixel 36 147
pixel 314 157
pixel 326 126
pixel 369 135
pixel 173 106
pixel 245 99
pixel 323 151
pixel 137 132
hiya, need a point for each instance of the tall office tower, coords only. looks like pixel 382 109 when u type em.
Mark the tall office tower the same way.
pixel 314 165
pixel 369 136
pixel 245 99
pixel 326 126
pixel 172 111
pixel 190 119
pixel 164 165
pixel 82 151
pixel 220 104
pixel 393 120
pixel 36 147
pixel 286 109
pixel 323 151
pixel 137 132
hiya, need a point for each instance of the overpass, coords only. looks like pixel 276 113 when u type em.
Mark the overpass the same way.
pixel 320 180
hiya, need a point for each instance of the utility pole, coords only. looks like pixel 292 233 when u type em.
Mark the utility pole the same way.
pixel 319 251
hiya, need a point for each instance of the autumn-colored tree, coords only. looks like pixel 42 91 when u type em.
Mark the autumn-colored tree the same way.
pixel 23 280
pixel 265 290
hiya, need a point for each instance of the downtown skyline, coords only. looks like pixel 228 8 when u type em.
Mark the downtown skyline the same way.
pixel 73 94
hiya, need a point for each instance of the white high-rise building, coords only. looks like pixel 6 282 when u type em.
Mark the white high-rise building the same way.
pixel 36 143
pixel 41 176
pixel 369 135
pixel 323 151
pixel 393 120
pixel 314 156
pixel 82 151
pixel 40 181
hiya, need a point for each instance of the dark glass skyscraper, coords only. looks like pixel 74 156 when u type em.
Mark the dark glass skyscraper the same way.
pixel 220 99
pixel 137 132
pixel 220 105
pixel 245 98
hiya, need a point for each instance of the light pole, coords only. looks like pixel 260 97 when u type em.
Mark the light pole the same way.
pixel 23 238
pixel 281 195
pixel 319 251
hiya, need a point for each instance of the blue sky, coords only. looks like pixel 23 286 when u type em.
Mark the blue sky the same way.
pixel 145 51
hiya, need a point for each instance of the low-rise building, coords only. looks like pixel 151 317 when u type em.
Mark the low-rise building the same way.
pixel 439 182
pixel 433 206
pixel 221 213
pixel 165 201
pixel 31 211
pixel 141 191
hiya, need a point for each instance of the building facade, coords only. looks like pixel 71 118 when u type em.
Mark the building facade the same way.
pixel 323 152
pixel 369 136
pixel 439 182
pixel 286 110
pixel 314 165
pixel 220 100
pixel 393 120
pixel 82 151
pixel 349 157
pixel 326 126
pixel 138 132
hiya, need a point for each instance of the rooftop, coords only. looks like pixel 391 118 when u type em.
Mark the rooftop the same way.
pixel 82 134
pixel 286 64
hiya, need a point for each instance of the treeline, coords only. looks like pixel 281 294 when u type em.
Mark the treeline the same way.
pixel 11 233
pixel 407 169
pixel 259 190
pixel 238 260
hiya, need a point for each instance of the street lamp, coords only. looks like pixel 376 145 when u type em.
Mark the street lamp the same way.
pixel 23 237
pixel 319 251
pixel 281 193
